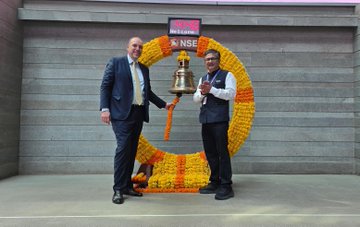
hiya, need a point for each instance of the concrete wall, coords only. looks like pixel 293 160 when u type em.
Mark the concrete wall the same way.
pixel 357 94
pixel 10 85
pixel 300 60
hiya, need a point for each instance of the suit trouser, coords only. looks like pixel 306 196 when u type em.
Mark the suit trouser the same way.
pixel 215 141
pixel 127 133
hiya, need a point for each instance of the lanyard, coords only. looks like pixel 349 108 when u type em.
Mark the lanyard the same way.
pixel 207 77
pixel 211 82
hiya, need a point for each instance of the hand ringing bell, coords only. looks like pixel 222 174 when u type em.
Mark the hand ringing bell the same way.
pixel 183 78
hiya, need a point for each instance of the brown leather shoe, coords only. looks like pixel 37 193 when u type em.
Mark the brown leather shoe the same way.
pixel 118 198
pixel 132 192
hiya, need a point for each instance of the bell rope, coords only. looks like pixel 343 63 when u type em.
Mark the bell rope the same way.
pixel 169 117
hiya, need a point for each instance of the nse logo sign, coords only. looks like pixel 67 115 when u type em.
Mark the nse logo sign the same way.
pixel 183 43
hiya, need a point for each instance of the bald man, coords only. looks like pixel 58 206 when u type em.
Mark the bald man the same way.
pixel 125 95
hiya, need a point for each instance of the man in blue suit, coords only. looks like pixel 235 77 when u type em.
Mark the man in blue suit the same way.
pixel 124 102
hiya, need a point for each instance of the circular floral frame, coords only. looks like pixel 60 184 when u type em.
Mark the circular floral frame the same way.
pixel 243 108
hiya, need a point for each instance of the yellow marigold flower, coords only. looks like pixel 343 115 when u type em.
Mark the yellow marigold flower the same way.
pixel 183 56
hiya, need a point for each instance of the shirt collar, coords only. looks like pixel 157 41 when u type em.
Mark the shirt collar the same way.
pixel 130 59
pixel 213 73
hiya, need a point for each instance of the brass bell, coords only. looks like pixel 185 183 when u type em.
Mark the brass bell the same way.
pixel 183 79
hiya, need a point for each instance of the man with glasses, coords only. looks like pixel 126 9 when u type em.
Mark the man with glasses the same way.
pixel 214 92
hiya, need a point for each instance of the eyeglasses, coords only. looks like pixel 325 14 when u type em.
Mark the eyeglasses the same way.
pixel 211 59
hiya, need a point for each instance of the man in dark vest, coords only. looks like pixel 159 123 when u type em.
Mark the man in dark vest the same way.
pixel 214 91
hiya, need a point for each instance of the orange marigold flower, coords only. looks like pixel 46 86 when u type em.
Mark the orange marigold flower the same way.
pixel 244 95
pixel 202 46
pixel 202 155
pixel 169 119
pixel 156 157
pixel 165 47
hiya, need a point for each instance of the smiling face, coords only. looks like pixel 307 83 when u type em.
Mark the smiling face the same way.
pixel 135 47
pixel 211 62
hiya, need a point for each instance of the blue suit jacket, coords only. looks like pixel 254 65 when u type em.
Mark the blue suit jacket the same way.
pixel 116 92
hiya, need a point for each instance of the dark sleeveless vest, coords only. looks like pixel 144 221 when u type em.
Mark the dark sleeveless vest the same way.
pixel 215 109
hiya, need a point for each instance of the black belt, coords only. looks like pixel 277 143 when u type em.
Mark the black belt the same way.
pixel 137 106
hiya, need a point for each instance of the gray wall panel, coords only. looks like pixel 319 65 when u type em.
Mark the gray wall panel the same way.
pixel 267 104
pixel 194 9
pixel 215 14
pixel 10 85
pixel 357 150
pixel 66 165
pixel 98 133
pixel 103 148
pixel 357 94
pixel 319 165
pixel 297 149
pixel 161 72
pixel 99 165
pixel 82 117
pixel 9 169
pixel 85 56
pixel 302 78
pixel 301 74
pixel 272 89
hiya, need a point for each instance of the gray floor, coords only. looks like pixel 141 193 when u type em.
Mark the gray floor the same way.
pixel 260 200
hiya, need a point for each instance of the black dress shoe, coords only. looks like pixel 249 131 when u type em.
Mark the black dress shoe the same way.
pixel 118 198
pixel 132 192
pixel 224 193
pixel 209 189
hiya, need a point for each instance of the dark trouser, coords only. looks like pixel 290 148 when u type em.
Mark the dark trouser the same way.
pixel 127 134
pixel 215 141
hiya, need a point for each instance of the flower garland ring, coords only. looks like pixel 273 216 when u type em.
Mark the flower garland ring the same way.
pixel 187 173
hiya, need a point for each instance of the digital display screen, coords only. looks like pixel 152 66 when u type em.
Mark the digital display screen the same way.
pixel 184 26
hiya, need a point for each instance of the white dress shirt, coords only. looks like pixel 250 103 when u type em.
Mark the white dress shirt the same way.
pixel 227 93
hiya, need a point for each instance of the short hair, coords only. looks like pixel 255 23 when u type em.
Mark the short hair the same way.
pixel 212 51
